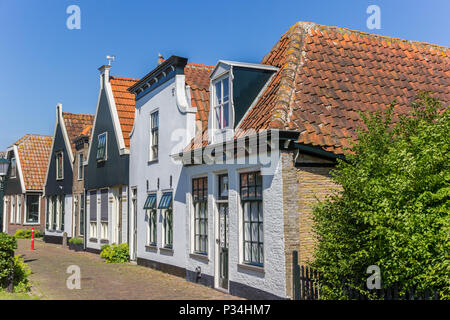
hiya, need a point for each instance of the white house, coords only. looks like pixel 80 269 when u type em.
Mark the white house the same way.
pixel 171 102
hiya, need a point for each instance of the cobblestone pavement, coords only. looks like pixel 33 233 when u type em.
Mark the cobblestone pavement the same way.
pixel 99 280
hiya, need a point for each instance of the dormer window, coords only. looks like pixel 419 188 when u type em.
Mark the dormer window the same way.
pixel 101 147
pixel 221 101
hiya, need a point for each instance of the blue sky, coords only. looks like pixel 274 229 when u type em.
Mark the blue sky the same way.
pixel 43 63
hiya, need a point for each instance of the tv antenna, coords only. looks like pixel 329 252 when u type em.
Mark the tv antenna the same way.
pixel 110 59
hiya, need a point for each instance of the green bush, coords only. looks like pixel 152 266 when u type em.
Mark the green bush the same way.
pixel 76 240
pixel 115 253
pixel 393 206
pixel 7 246
pixel 21 273
pixel 26 234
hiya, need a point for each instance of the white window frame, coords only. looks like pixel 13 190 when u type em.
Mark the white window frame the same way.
pixel 152 227
pixel 217 125
pixel 194 217
pixel 167 245
pixel 80 166
pixel 18 207
pixel 103 230
pixel 12 211
pixel 153 156
pixel 57 165
pixel 25 221
pixel 105 156
pixel 93 229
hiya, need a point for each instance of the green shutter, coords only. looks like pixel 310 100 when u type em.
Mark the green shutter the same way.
pixel 54 212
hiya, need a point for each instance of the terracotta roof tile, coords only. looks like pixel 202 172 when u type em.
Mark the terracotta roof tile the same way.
pixel 335 73
pixel 197 77
pixel 34 151
pixel 125 104
pixel 76 125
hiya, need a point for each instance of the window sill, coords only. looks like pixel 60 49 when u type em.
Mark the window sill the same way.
pixel 251 267
pixel 199 256
pixel 151 248
pixel 152 161
pixel 167 250
pixel 31 224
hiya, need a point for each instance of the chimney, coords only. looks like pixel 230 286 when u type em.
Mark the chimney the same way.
pixel 104 74
pixel 58 111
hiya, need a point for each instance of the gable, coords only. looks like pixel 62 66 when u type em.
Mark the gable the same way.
pixel 113 171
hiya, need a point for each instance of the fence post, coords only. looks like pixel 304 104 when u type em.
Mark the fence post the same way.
pixel 295 276
pixel 10 280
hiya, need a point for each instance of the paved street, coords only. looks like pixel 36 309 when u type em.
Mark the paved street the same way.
pixel 100 280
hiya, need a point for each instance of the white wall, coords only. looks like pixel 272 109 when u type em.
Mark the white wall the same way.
pixel 171 120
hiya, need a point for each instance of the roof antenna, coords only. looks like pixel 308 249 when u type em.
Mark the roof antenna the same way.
pixel 110 58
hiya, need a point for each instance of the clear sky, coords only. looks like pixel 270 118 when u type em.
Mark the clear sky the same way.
pixel 43 63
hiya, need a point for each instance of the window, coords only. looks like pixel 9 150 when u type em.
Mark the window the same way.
pixel 13 167
pixel 154 135
pixel 13 209
pixel 221 103
pixel 59 165
pixel 93 214
pixel 102 146
pixel 80 166
pixel 166 204
pixel 200 200
pixel 251 200
pixel 150 207
pixel 18 209
pixel 32 212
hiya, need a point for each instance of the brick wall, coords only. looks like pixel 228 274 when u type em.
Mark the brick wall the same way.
pixel 302 185
pixel 13 227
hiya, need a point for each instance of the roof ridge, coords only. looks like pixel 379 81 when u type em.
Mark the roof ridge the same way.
pixel 124 78
pixel 200 65
pixel 81 114
pixel 304 24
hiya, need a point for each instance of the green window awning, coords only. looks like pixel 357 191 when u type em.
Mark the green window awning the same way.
pixel 166 201
pixel 150 203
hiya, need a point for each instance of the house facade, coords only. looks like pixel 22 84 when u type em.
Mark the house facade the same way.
pixel 59 178
pixel 171 102
pixel 264 162
pixel 81 145
pixel 107 163
pixel 23 201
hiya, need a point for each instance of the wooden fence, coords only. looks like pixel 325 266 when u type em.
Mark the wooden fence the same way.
pixel 306 287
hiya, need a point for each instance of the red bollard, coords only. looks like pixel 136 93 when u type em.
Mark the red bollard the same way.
pixel 32 238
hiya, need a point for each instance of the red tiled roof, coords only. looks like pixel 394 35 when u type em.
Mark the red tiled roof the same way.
pixel 75 125
pixel 124 104
pixel 34 151
pixel 197 77
pixel 328 74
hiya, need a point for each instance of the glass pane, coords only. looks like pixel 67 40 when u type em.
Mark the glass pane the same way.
pixel 261 233
pixel 247 251
pixel 254 231
pixel 247 231
pixel 254 252
pixel 225 115
pixel 246 211
pixel 255 213
pixel 251 192
pixel 225 89
pixel 251 179
pixel 261 254
pixel 218 94
pixel 260 211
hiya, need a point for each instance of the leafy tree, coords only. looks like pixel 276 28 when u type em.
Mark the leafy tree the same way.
pixel 392 209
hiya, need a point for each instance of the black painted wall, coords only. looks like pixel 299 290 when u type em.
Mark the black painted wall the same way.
pixel 113 171
pixel 53 186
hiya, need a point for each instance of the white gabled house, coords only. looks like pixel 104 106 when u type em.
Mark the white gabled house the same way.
pixel 171 104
